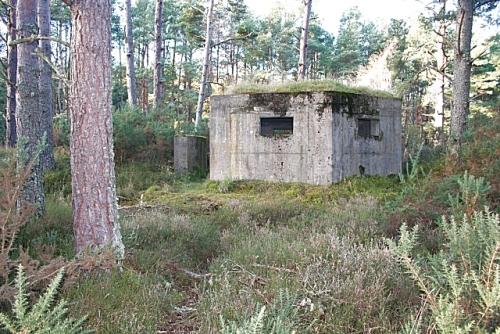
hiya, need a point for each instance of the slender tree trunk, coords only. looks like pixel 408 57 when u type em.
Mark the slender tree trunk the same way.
pixel 179 76
pixel 442 59
pixel 206 66
pixel 120 64
pixel 28 113
pixel 158 69
pixel 174 50
pixel 95 214
pixel 45 85
pixel 303 40
pixel 11 138
pixel 59 89
pixel 143 56
pixel 237 60
pixel 131 79
pixel 461 74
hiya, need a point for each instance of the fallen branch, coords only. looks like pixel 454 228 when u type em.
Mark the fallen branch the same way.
pixel 189 272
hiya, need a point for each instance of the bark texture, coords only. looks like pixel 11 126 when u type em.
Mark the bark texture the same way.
pixel 461 74
pixel 131 80
pixel 158 70
pixel 95 214
pixel 28 114
pixel 10 113
pixel 45 85
pixel 206 65
pixel 303 40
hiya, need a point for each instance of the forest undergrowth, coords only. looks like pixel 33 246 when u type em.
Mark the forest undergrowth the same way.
pixel 366 255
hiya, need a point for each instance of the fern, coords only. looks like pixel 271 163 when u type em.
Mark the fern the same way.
pixel 44 317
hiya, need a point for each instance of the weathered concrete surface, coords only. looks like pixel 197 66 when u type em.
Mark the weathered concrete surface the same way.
pixel 324 147
pixel 190 154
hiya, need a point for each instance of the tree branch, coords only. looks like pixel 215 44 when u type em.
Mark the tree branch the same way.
pixel 231 39
pixel 35 38
pixel 58 75
pixel 485 51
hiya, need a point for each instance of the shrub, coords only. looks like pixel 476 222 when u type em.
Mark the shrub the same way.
pixel 13 225
pixel 479 154
pixel 44 316
pixel 12 218
pixel 58 180
pixel 143 137
pixel 61 130
pixel 471 196
pixel 262 322
pixel 137 135
pixel 461 284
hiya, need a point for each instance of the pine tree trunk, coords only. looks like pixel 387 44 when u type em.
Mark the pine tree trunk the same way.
pixel 28 113
pixel 45 86
pixel 206 66
pixel 303 40
pixel 158 70
pixel 95 214
pixel 461 75
pixel 131 79
pixel 11 138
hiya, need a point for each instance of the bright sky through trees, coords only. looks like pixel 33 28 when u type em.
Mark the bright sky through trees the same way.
pixel 330 11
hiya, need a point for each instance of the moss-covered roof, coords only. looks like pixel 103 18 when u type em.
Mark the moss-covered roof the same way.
pixel 306 86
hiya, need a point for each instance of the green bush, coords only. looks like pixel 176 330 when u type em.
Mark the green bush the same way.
pixel 279 320
pixel 479 154
pixel 58 180
pixel 137 135
pixel 460 284
pixel 143 137
pixel 471 196
pixel 61 130
pixel 43 317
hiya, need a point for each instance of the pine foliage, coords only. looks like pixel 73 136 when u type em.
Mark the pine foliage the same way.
pixel 45 317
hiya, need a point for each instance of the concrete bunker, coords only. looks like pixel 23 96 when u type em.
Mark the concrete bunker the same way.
pixel 310 137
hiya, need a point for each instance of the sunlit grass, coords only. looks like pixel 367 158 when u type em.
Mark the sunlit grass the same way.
pixel 305 86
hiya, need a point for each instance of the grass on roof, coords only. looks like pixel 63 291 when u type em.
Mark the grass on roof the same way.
pixel 305 86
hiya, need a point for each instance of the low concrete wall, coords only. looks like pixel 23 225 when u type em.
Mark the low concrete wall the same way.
pixel 190 154
pixel 324 147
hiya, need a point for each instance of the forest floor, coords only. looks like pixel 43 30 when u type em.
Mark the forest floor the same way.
pixel 206 257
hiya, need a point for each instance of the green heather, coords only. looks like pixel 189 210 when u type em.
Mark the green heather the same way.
pixel 306 86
